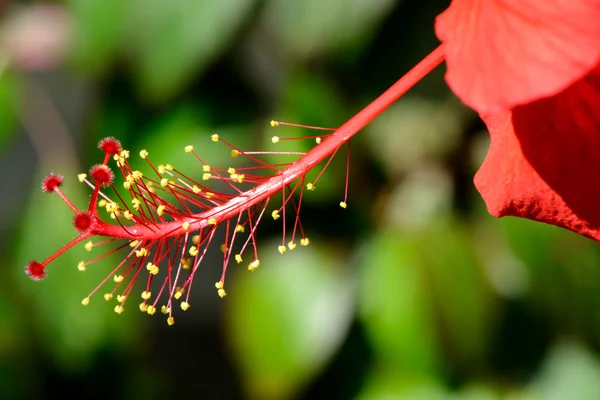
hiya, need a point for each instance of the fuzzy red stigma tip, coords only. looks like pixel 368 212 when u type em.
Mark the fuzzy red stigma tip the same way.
pixel 110 146
pixel 51 182
pixel 83 222
pixel 102 175
pixel 35 270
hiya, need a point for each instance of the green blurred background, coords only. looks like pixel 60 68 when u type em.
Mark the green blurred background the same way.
pixel 413 292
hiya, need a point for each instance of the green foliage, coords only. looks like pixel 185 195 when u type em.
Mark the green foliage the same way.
pixel 308 299
pixel 412 292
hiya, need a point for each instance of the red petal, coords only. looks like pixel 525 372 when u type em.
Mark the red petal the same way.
pixel 544 158
pixel 502 53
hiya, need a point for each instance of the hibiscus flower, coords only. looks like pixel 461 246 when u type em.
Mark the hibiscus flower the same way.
pixel 532 70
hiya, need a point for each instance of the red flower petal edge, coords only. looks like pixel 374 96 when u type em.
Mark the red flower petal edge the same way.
pixel 543 160
pixel 503 53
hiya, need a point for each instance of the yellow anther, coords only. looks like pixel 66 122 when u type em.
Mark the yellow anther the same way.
pixel 206 168
pixel 189 148
pixel 186 263
pixel 238 258
pixel 318 140
pixel 219 285
pixel 81 177
pixel 212 221
pixel 343 204
pixel 119 309
pixel 291 245
pixel 85 301
pixel 164 182
pixel 178 294
pixel 160 210
pixel 274 124
pixel 136 203
pixel 141 252
pixel 241 178
pixel 102 203
pixel 239 228
pixel 155 271
pixel 304 242
pixel 222 293
pixel 214 137
pixel 171 321
pixel 89 246
pixel 151 310
pixel 310 186
pixel 234 177
pixel 108 296
pixel 193 251
pixel 112 207
pixel 81 266
pixel 134 243
pixel 282 249
pixel 196 239
pixel 185 305
pixel 128 215
pixel 161 169
pixel 121 298
pixel 185 226
pixel 231 170
pixel 196 189
pixel 143 307
pixel 209 195
pixel 224 248
pixel 206 176
pixel 234 153
pixel 143 154
pixel 275 214
pixel 124 153
pixel 137 174
pixel 118 278
pixel 127 185
pixel 146 295
pixel 275 139
pixel 129 178
pixel 169 167
pixel 253 265
pixel 165 309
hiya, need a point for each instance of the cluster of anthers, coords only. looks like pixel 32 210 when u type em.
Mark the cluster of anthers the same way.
pixel 166 221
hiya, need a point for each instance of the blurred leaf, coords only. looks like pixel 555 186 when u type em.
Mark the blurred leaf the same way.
pixel 314 26
pixel 457 283
pixel 383 384
pixel 394 306
pixel 173 40
pixel 10 97
pixel 570 371
pixel 563 269
pixel 413 132
pixel 286 319
pixel 71 332
pixel 99 28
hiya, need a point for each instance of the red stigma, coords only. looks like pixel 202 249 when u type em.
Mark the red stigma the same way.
pixel 35 270
pixel 51 182
pixel 110 146
pixel 83 222
pixel 102 175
